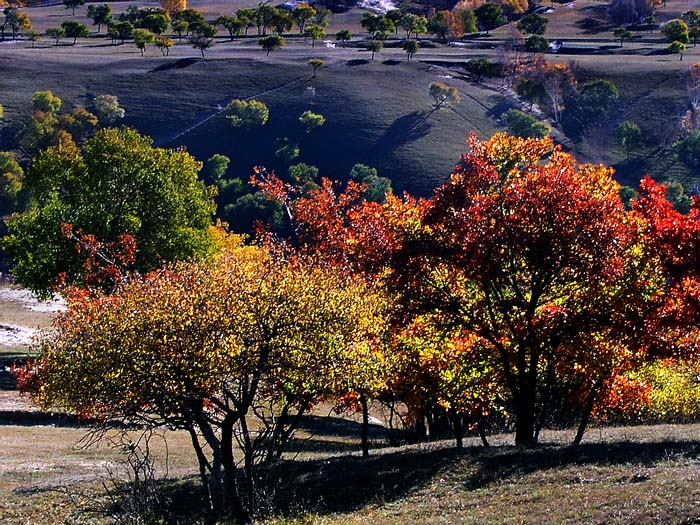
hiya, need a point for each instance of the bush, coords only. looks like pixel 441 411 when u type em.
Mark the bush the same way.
pixel 674 394
pixel 524 125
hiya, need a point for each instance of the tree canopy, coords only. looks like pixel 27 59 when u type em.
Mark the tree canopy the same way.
pixel 118 186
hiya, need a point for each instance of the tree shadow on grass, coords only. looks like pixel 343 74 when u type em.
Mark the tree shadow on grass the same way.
pixel 345 484
pixel 357 62
pixel 403 130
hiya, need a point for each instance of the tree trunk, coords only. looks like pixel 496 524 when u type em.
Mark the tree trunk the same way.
pixel 365 425
pixel 586 416
pixel 457 428
pixel 525 420
pixel 482 432
pixel 232 500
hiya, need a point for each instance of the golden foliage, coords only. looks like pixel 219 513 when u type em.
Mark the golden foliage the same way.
pixel 173 6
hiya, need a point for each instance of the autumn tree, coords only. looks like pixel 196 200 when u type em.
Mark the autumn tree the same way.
pixel 556 79
pixel 119 184
pixel 314 32
pixel 443 95
pixel 173 7
pixel 247 113
pixel 234 352
pixel 302 14
pixel 16 21
pixel 540 286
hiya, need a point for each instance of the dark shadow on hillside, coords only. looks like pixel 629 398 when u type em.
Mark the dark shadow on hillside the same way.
pixel 24 418
pixel 391 62
pixel 594 26
pixel 334 434
pixel 176 64
pixel 403 130
pixel 509 462
pixel 357 62
pixel 347 483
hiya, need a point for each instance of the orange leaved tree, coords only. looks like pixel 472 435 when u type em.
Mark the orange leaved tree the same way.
pixel 535 255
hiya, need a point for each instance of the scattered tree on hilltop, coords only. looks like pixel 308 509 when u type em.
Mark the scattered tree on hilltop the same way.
pixel 629 136
pixel 490 16
pixel 443 95
pixel 311 120
pixel 676 31
pixel 622 33
pixel 343 36
pixel 316 64
pixel 677 48
pixel 164 44
pixel 16 21
pixel 107 109
pixel 375 46
pixel 143 37
pixel 233 25
pixel 201 43
pixel 411 48
pixel 523 125
pixel 100 14
pixel 74 29
pixel 599 99
pixel 271 43
pixel 247 113
pixel 72 4
pixel 314 32
pixel 533 24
